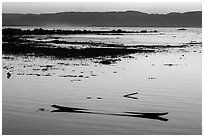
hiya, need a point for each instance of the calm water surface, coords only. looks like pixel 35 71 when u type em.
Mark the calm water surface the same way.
pixel 164 81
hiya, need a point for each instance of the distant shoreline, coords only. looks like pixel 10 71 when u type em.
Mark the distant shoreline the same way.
pixel 40 31
pixel 105 19
pixel 42 26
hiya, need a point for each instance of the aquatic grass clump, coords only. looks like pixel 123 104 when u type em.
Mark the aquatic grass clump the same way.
pixel 18 45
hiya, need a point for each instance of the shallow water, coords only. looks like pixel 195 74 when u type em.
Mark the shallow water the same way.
pixel 164 81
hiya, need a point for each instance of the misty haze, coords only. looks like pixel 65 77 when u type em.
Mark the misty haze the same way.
pixel 107 69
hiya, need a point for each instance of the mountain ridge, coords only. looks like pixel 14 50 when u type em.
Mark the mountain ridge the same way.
pixel 103 19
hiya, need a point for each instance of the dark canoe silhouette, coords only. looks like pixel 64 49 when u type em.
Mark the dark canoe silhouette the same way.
pixel 155 116
pixel 149 114
pixel 130 95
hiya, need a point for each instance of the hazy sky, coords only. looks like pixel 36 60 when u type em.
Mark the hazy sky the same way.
pixel 52 7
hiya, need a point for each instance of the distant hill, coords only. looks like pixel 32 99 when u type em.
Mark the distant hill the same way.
pixel 103 19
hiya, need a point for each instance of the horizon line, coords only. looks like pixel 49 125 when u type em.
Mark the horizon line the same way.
pixel 101 12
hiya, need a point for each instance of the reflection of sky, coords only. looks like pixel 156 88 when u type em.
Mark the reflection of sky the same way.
pixel 144 39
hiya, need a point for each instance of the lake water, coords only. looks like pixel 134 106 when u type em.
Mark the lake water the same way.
pixel 167 81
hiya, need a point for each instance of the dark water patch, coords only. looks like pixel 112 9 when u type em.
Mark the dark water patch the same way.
pixel 151 78
pixel 182 29
pixel 108 61
pixel 8 67
pixel 27 65
pixel 42 110
pixel 36 69
pixel 194 43
pixel 27 60
pixel 75 80
pixel 33 74
pixel 110 34
pixel 8 75
pixel 184 50
pixel 5 67
pixel 20 73
pixel 8 58
pixel 99 97
pixel 85 64
pixel 66 64
pixel 68 76
pixel 47 66
pixel 128 56
pixel 93 75
pixel 46 75
pixel 88 97
pixel 154 116
pixel 44 69
pixel 146 31
pixel 170 64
